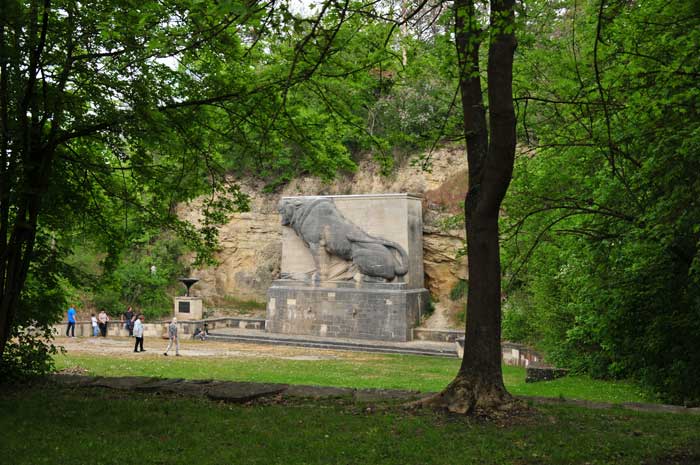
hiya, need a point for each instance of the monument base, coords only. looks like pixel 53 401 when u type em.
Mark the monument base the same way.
pixel 361 310
pixel 188 308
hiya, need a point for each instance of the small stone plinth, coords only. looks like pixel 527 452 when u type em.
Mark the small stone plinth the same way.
pixel 542 373
pixel 379 311
pixel 188 308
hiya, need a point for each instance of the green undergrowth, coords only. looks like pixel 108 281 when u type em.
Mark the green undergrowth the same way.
pixel 47 424
pixel 407 372
pixel 237 306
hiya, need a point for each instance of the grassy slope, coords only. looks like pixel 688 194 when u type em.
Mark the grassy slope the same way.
pixel 373 371
pixel 95 426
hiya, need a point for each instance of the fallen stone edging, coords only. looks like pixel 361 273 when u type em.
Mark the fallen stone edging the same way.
pixel 242 392
pixel 636 406
pixel 232 391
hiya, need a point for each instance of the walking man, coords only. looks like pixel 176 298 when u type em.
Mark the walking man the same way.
pixel 172 336
pixel 138 334
pixel 71 322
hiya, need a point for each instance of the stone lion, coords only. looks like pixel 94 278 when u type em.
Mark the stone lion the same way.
pixel 324 229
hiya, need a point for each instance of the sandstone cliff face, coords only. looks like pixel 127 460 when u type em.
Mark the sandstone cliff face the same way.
pixel 250 253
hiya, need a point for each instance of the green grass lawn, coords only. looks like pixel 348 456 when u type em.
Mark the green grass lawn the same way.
pixel 408 372
pixel 46 424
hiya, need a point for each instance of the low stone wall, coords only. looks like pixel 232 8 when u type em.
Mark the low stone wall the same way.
pixel 512 353
pixel 437 335
pixel 519 354
pixel 235 322
pixel 159 328
pixel 543 373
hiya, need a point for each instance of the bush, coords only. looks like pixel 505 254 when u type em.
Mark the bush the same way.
pixel 516 325
pixel 429 307
pixel 29 350
pixel 459 290
pixel 28 354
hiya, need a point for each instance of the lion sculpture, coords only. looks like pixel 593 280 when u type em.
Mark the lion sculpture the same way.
pixel 324 229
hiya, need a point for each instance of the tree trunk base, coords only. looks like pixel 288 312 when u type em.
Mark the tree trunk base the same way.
pixel 467 395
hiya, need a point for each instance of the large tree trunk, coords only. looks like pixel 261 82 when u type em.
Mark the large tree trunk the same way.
pixel 26 156
pixel 16 253
pixel 479 382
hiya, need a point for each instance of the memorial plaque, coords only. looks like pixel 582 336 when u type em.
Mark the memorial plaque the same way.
pixel 188 308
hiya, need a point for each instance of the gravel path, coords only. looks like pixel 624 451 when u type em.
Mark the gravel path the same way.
pixel 115 346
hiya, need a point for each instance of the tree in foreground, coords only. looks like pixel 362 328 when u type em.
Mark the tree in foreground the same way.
pixel 490 155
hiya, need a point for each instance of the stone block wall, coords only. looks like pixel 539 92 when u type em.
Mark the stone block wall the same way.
pixel 367 313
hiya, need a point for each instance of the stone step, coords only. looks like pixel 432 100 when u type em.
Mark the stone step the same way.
pixel 332 344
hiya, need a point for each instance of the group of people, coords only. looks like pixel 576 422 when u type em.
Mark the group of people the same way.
pixel 99 323
pixel 136 329
pixel 133 322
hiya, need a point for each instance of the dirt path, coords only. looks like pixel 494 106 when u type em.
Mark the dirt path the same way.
pixel 438 320
pixel 116 346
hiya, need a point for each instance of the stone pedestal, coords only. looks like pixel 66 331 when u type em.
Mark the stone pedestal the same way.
pixel 363 310
pixel 359 307
pixel 188 308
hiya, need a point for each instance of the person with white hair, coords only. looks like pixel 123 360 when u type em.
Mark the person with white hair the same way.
pixel 138 334
pixel 172 337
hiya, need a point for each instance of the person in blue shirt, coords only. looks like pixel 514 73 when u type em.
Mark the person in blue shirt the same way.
pixel 71 322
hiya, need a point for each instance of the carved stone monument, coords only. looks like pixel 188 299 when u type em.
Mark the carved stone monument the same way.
pixel 352 266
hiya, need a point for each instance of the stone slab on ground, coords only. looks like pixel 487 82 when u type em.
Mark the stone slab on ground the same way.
pixel 661 408
pixel 239 392
pixel 127 383
pixel 378 395
pixel 636 406
pixel 578 402
pixel 158 384
pixel 318 392
pixel 194 388
pixel 74 380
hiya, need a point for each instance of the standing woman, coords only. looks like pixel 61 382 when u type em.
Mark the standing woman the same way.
pixel 102 318
pixel 138 334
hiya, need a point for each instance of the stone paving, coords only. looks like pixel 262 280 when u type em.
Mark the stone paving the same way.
pixel 242 392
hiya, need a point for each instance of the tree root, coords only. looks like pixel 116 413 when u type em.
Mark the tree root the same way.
pixel 468 396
